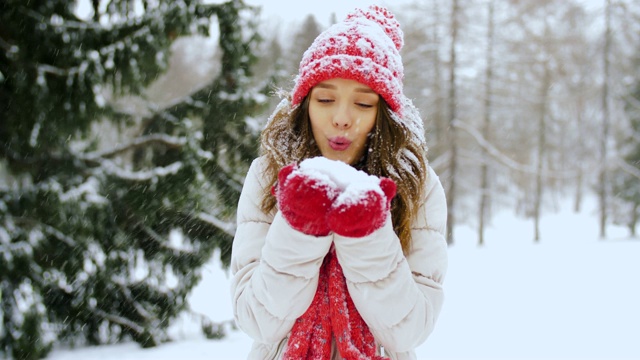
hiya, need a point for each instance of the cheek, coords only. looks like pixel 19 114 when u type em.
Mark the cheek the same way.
pixel 316 126
pixel 365 125
pixel 316 117
pixel 313 121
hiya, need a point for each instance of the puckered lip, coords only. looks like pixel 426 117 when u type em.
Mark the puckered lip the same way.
pixel 339 143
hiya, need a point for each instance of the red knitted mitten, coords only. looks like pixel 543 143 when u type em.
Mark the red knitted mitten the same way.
pixel 304 201
pixel 359 213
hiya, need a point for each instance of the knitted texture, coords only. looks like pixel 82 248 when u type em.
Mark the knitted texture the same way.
pixel 304 201
pixel 331 313
pixel 362 213
pixel 321 195
pixel 365 47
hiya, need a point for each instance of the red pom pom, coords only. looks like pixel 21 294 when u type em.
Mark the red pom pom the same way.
pixel 385 19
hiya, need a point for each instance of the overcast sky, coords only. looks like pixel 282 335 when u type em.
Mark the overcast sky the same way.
pixel 296 11
pixel 289 11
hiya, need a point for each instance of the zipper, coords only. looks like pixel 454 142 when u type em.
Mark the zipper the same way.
pixel 278 348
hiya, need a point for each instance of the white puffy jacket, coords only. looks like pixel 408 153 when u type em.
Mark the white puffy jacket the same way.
pixel 275 273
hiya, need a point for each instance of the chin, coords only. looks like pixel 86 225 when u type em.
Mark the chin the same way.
pixel 349 160
pixel 339 157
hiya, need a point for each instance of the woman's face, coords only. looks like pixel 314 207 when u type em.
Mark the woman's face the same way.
pixel 342 114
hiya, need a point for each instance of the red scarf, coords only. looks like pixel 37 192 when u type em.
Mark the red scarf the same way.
pixel 331 312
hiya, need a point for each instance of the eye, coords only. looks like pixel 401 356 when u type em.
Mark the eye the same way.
pixel 325 101
pixel 364 106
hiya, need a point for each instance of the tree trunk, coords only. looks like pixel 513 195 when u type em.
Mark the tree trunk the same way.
pixel 451 194
pixel 634 220
pixel 439 122
pixel 486 128
pixel 541 151
pixel 602 185
pixel 577 204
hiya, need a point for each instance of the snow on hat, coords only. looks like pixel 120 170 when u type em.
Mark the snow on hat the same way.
pixel 365 47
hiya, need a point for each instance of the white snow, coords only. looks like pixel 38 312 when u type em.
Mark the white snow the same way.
pixel 334 172
pixel 571 296
pixel 354 184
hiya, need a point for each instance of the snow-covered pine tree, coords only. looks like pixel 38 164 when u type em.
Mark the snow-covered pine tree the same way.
pixel 102 244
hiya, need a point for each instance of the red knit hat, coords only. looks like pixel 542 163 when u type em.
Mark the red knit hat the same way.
pixel 365 47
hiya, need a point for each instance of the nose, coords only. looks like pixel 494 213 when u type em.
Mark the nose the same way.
pixel 342 118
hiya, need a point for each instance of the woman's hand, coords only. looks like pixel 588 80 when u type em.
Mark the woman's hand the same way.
pixel 359 211
pixel 304 200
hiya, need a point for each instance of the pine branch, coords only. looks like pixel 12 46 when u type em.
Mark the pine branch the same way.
pixel 120 320
pixel 187 100
pixel 13 247
pixel 15 157
pixel 226 227
pixel 112 169
pixel 171 142
pixel 628 168
pixel 4 45
pixel 47 229
pixel 161 241
pixel 67 24
pixel 130 30
pixel 136 305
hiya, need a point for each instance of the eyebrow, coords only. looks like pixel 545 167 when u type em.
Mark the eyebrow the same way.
pixel 358 89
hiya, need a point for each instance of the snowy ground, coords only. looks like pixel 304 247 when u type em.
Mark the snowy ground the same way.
pixel 571 296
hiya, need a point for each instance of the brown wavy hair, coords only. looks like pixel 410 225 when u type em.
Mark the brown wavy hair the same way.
pixel 393 152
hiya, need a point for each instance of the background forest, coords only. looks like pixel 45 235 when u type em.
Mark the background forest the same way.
pixel 126 128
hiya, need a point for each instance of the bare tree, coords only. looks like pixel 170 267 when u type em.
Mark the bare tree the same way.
pixel 486 126
pixel 602 182
pixel 423 78
pixel 453 146
pixel 542 143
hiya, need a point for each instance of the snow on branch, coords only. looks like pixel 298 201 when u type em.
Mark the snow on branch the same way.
pixel 162 241
pixel 186 100
pixel 50 69
pixel 8 248
pixel 503 158
pixel 112 169
pixel 47 229
pixel 136 304
pixel 628 168
pixel 89 189
pixel 58 22
pixel 492 150
pixel 226 227
pixel 171 142
pixel 120 320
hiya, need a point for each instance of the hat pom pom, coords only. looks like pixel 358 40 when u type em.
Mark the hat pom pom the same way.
pixel 385 19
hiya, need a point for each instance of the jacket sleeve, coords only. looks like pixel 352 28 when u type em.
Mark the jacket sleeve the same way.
pixel 274 267
pixel 399 296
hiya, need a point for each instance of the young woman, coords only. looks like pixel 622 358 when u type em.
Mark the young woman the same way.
pixel 340 250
